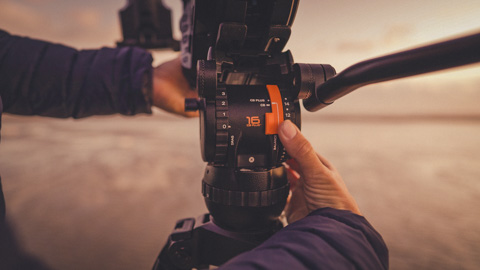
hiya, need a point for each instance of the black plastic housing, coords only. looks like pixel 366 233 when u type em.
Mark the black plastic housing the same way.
pixel 147 24
pixel 245 200
pixel 232 53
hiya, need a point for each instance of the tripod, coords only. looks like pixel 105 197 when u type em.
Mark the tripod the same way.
pixel 248 220
pixel 207 241
pixel 200 243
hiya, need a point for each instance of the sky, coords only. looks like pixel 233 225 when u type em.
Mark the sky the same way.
pixel 340 33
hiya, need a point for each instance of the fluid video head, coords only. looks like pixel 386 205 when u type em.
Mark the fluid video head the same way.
pixel 232 52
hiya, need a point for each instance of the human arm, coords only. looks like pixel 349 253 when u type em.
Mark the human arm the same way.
pixel 170 88
pixel 42 78
pixel 318 184
pixel 326 230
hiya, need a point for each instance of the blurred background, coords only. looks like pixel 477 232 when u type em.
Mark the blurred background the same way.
pixel 105 192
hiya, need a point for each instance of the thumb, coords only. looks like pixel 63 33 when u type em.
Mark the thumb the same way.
pixel 299 149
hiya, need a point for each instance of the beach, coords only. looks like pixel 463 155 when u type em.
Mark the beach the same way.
pixel 105 192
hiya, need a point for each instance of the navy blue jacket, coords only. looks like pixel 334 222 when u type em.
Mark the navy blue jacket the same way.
pixel 326 239
pixel 40 78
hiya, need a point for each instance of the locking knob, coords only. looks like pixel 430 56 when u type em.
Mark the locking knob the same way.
pixel 194 104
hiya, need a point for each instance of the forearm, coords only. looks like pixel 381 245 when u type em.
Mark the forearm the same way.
pixel 41 78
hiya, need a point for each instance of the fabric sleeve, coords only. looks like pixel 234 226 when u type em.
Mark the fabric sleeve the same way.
pixel 326 239
pixel 41 78
pixel 2 205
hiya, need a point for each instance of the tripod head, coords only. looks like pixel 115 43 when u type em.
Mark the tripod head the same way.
pixel 233 51
pixel 248 86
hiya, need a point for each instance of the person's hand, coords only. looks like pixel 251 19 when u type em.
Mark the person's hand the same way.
pixel 315 181
pixel 170 88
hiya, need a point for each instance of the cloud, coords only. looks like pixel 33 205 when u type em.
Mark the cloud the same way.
pixel 19 18
pixel 86 18
pixel 355 46
pixel 40 1
pixel 393 36
pixel 74 24
pixel 396 34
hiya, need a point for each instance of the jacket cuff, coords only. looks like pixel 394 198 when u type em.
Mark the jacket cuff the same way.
pixel 142 84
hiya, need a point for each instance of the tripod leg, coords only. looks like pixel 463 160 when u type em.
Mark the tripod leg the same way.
pixel 176 254
pixel 200 243
pixel 163 262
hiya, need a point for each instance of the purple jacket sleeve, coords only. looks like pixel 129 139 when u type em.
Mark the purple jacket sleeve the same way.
pixel 2 205
pixel 41 78
pixel 326 239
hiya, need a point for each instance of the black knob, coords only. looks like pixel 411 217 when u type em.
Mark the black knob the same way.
pixel 194 104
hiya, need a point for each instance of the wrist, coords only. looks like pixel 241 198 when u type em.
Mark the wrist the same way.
pixel 147 89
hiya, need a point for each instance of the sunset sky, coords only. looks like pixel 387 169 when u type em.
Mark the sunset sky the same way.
pixel 339 33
